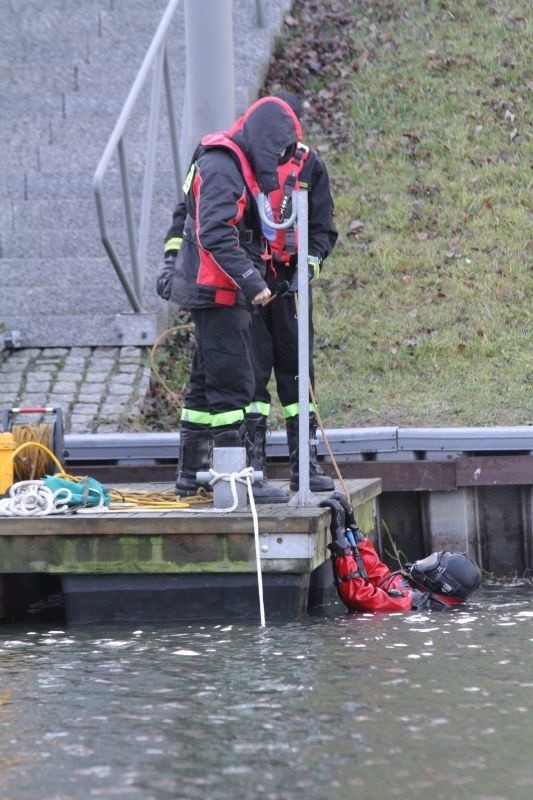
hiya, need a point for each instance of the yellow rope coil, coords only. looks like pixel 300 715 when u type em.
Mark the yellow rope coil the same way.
pixel 35 441
pixel 136 498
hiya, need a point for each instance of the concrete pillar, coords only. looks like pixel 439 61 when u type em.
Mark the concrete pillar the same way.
pixel 451 521
pixel 210 89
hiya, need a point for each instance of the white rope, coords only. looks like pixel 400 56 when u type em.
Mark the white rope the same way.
pixel 34 499
pixel 257 552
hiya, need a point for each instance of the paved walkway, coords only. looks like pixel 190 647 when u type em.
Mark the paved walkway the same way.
pixel 99 390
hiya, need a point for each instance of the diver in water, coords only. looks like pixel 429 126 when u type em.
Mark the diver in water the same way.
pixel 365 583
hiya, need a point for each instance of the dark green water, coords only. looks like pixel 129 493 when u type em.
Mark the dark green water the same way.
pixel 366 707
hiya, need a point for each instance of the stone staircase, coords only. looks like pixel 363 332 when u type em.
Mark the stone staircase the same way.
pixel 65 72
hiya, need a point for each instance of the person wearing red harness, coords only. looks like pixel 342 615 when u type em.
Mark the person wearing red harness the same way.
pixel 364 583
pixel 218 273
pixel 275 325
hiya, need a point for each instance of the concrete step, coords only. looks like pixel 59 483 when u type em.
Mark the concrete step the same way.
pixel 55 185
pixel 28 79
pixel 82 237
pixel 46 34
pixel 65 284
pixel 42 22
pixel 58 215
pixel 30 106
pixel 88 330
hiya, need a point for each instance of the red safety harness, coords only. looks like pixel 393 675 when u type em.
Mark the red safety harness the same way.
pixel 285 241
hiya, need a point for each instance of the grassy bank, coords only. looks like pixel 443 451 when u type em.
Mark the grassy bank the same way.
pixel 422 113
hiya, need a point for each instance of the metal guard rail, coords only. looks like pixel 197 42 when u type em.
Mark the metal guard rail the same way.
pixel 346 443
pixel 157 55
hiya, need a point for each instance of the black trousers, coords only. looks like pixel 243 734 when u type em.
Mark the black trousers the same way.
pixel 275 347
pixel 222 376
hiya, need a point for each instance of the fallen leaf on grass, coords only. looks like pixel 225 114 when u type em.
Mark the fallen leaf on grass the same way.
pixel 355 227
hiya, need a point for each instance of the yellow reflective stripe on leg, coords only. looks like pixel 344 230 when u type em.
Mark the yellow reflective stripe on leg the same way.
pixel 227 418
pixel 294 409
pixel 196 417
pixel 291 411
pixel 257 407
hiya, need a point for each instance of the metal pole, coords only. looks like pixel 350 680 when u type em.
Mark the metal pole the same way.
pixel 210 87
pixel 174 138
pixel 128 210
pixel 303 497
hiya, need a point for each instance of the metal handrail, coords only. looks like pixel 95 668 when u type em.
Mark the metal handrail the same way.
pixel 157 57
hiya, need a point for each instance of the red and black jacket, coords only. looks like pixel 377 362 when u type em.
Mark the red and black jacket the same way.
pixel 222 258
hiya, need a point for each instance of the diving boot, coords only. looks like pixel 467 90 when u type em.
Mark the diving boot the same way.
pixel 263 492
pixel 318 480
pixel 194 456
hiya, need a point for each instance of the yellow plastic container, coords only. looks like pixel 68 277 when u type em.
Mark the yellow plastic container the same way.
pixel 7 447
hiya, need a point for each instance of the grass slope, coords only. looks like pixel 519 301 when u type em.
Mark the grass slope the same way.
pixel 422 113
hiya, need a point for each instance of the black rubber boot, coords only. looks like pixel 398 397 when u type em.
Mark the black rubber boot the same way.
pixel 263 492
pixel 194 456
pixel 318 480
pixel 229 435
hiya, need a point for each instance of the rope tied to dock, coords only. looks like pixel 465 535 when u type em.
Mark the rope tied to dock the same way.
pixel 245 476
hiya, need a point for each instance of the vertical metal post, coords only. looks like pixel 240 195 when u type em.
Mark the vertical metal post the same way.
pixel 259 14
pixel 149 174
pixel 174 138
pixel 304 496
pixel 128 210
pixel 210 86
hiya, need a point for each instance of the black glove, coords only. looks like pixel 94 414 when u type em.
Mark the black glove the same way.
pixel 164 280
pixel 340 544
pixel 314 265
pixel 283 289
pixel 350 519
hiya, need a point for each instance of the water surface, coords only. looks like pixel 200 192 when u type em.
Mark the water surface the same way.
pixel 433 705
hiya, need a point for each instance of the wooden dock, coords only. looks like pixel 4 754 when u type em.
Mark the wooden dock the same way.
pixel 181 564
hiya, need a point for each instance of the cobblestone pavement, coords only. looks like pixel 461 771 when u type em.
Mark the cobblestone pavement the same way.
pixel 98 389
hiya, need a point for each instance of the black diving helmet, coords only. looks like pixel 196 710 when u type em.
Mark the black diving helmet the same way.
pixel 454 574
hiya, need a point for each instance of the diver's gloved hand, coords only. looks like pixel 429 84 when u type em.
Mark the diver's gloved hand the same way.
pixel 340 544
pixel 337 548
pixel 350 519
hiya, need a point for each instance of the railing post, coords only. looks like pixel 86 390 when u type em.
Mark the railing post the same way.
pixel 149 173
